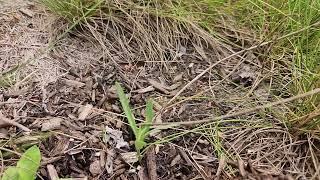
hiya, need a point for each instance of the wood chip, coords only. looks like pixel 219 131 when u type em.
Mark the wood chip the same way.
pixel 52 172
pixel 142 174
pixel 95 168
pixel 178 78
pixel 175 160
pixel 3 135
pixel 185 157
pixel 129 157
pixel 51 124
pixel 145 90
pixel 74 83
pixel 85 111
pixel 158 86
pixel 102 159
pixel 4 123
pixel 26 12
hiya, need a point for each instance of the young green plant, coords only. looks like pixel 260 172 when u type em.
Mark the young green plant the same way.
pixel 140 132
pixel 27 166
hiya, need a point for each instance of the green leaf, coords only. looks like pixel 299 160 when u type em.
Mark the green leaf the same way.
pixel 29 163
pixel 149 118
pixel 11 174
pixel 126 108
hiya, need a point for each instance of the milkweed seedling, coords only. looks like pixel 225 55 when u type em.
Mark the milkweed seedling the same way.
pixel 140 132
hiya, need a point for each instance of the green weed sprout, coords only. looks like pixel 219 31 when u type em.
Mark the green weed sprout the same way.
pixel 27 166
pixel 139 132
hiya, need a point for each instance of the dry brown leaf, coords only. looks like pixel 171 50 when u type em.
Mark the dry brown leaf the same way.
pixel 115 138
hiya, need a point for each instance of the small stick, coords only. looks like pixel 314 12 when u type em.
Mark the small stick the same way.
pixel 13 123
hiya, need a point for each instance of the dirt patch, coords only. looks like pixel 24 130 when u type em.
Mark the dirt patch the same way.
pixel 70 93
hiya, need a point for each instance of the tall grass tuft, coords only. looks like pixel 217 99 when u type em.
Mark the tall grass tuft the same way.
pixel 299 54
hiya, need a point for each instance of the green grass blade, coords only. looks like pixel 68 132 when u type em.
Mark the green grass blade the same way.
pixel 126 108
pixel 29 163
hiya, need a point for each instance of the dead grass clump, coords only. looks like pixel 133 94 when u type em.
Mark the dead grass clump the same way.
pixel 274 151
pixel 131 31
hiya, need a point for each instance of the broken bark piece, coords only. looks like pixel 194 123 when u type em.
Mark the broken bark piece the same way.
pixel 151 164
pixel 102 159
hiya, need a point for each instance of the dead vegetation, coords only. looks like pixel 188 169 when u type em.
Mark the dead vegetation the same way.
pixel 69 92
